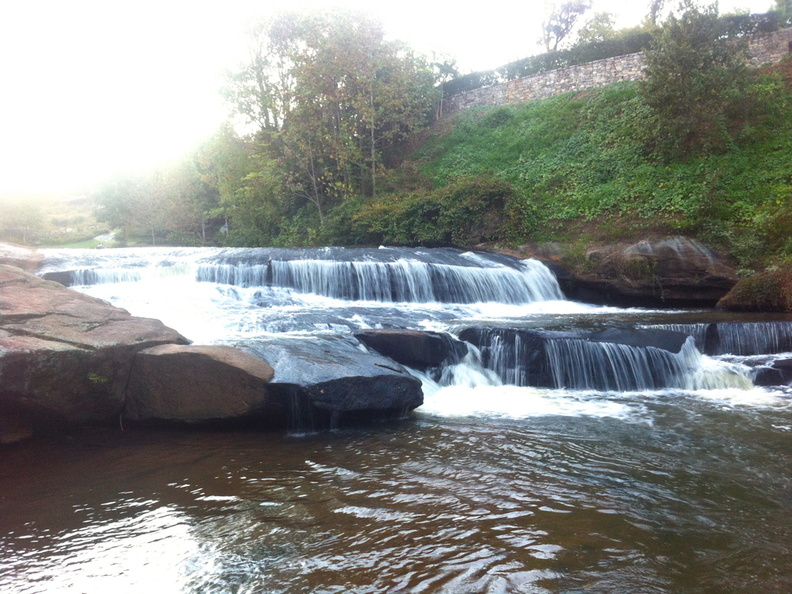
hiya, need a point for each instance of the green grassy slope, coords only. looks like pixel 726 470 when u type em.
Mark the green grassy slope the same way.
pixel 580 162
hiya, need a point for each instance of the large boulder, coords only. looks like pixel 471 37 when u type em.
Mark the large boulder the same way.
pixel 769 291
pixel 197 383
pixel 65 357
pixel 414 348
pixel 324 381
pixel 19 256
pixel 673 272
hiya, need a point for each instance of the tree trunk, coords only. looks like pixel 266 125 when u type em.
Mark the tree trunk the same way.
pixel 373 149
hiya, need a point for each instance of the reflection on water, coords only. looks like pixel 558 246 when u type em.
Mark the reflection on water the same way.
pixel 669 493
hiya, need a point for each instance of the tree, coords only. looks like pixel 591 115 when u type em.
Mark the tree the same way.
pixel 115 206
pixel 561 20
pixel 247 185
pixel 598 28
pixel 784 10
pixel 330 96
pixel 164 205
pixel 655 10
pixel 696 84
pixel 19 218
pixel 445 69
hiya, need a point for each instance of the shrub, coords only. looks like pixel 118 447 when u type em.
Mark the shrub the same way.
pixel 465 213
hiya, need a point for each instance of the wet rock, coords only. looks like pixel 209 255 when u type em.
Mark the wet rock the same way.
pixel 14 427
pixel 665 340
pixel 672 272
pixel 320 382
pixel 65 357
pixel 779 373
pixel 197 383
pixel 413 348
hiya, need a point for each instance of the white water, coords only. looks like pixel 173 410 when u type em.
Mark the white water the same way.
pixel 216 296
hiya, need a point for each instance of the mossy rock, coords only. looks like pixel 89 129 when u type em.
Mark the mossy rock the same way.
pixel 769 291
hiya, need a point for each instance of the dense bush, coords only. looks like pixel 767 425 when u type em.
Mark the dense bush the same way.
pixel 466 212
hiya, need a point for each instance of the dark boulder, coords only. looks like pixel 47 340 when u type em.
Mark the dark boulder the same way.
pixel 324 381
pixel 63 277
pixel 779 373
pixel 413 348
pixel 197 383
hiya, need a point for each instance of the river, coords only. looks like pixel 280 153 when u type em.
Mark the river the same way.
pixel 488 487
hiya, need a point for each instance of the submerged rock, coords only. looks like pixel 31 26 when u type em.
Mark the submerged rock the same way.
pixel 413 348
pixel 197 383
pixel 323 381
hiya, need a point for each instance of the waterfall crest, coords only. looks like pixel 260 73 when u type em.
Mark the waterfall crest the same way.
pixel 380 275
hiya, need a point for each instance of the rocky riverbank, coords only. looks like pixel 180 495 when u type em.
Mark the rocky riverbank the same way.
pixel 69 359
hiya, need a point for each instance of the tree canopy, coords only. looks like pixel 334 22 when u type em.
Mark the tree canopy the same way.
pixel 697 84
pixel 331 97
pixel 561 21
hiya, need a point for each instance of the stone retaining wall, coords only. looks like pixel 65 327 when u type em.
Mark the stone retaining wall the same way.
pixel 766 48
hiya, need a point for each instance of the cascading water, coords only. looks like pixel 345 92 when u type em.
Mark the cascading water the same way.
pixel 738 338
pixel 462 279
pixel 215 295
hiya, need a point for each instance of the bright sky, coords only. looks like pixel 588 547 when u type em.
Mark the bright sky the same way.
pixel 96 88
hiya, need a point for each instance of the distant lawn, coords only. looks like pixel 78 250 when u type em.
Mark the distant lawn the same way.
pixel 84 244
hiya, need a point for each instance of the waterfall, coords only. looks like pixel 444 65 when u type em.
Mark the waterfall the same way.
pixel 589 361
pixel 379 275
pixel 402 280
pixel 250 275
pixel 209 294
pixel 737 338
pixel 754 338
pixel 580 364
pixel 417 282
